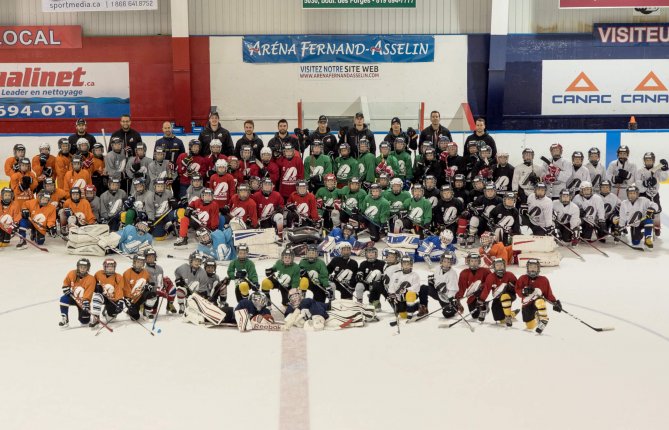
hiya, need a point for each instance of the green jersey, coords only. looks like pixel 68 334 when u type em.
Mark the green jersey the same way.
pixel 293 272
pixel 405 167
pixel 317 166
pixel 377 210
pixel 366 166
pixel 396 201
pixel 247 265
pixel 345 169
pixel 349 200
pixel 326 198
pixel 388 164
pixel 317 271
pixel 419 211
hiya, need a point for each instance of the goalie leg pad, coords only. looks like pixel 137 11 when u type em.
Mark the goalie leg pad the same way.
pixel 316 323
pixel 352 307
pixel 359 290
pixel 97 304
pixel 243 320
pixel 350 318
pixel 182 293
pixel 209 311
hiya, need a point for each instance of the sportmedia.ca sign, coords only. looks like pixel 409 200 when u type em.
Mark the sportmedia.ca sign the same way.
pixel 605 87
pixel 340 49
pixel 97 5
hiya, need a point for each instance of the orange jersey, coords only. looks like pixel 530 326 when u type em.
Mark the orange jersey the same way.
pixel 63 165
pixel 38 169
pixel 118 288
pixel 497 250
pixel 10 214
pixel 57 197
pixel 135 283
pixel 81 210
pixel 15 183
pixel 42 217
pixel 98 166
pixel 9 166
pixel 76 179
pixel 82 288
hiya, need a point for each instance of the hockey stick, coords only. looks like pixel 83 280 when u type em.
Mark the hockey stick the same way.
pixel 593 247
pixel 581 239
pixel 466 322
pixel 41 248
pixel 565 245
pixel 104 325
pixel 160 302
pixel 144 327
pixel 426 315
pixel 598 329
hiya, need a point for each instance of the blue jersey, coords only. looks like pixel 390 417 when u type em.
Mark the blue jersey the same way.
pixel 221 246
pixel 431 246
pixel 338 235
pixel 248 305
pixel 131 240
pixel 316 308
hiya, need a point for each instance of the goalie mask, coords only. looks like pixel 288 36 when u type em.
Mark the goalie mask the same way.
pixel 294 298
pixel 312 253
pixel 446 238
pixel 533 268
pixel 203 236
pixel 142 227
pixel 473 260
pixel 486 239
pixel 138 262
pixel 347 230
pixel 259 300
pixel 407 264
pixel 499 267
pixel 109 266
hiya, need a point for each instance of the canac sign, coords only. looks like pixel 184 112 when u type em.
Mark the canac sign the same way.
pixel 48 36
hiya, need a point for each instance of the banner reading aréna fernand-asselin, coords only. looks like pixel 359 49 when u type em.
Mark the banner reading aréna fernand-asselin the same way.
pixel 64 90
pixel 339 49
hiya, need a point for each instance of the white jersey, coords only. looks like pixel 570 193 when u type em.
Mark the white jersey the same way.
pixel 612 172
pixel 592 208
pixel 404 281
pixel 597 175
pixel 631 213
pixel 520 177
pixel 540 211
pixel 568 215
pixel 446 283
pixel 388 272
pixel 563 176
pixel 611 205
pixel 578 175
pixel 648 180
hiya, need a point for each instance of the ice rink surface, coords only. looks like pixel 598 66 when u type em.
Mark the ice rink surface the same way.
pixel 190 377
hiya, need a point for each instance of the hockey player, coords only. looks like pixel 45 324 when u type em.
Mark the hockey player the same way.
pixel 312 315
pixel 12 163
pixel 558 172
pixel 432 247
pixel 162 284
pixel 428 166
pixel 502 173
pixel 342 270
pixel 138 166
pixel 269 206
pixel 647 179
pixel 351 197
pixel 243 271
pixel 431 192
pixel 502 286
pixel 370 274
pixel 345 233
pixel 526 176
pixel 268 166
pixel 160 168
pixel 611 204
pixel 247 163
pixel 291 169
pixel 236 170
pixel 592 212
pixel 58 196
pixel 78 288
pixel 445 215
pixel 136 206
pixel 403 290
pixel 442 286
pixel 505 219
pixel 90 193
pixel 136 279
pixel 539 215
pixel 316 166
pixel 328 201
pixel 110 291
pixel 189 278
pixel 637 213
pixel 405 172
pixel 10 216
pixel 135 238
pixel 459 190
pixel 111 204
pixel 43 165
pixel 396 196
pixel 314 274
pixel 223 185
pixel 480 210
pixel 76 212
pixel 216 244
pixel 345 166
pixel 392 265
pixel 301 207
pixel 418 211
pixel 204 213
pixel 77 177
pixel 243 207
pixel 158 205
pixel 491 249
pixel 470 283
pixel 596 169
pixel 366 164
pixel 283 275
pixel 567 219
pixel 579 173
pixel 621 172
pixel 115 159
pixel 374 212
pixel 23 183
pixel 534 290
pixel 37 217
pixel 63 163
pixel 253 313
pixel 386 162
pixel 451 163
pixel 485 165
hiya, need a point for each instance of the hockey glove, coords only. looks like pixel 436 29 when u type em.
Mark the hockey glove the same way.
pixel 26 181
pixel 557 306
pixel 186 161
pixel 411 132
pixel 430 281
pixel 67 290
pixel 664 164
pixel 25 213
pixel 180 282
pixel 269 272
pixel 48 172
pixel 52 232
pixel 128 203
pixel 240 274
pixel 527 291
pixel 15 167
pixel 533 178
pixel 42 159
pixel 359 276
pixel 651 182
pixel 650 213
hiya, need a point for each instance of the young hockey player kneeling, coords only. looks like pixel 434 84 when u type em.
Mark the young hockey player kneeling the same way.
pixel 534 289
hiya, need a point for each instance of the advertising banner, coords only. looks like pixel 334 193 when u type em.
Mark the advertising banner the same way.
pixel 612 3
pixel 341 49
pixel 631 34
pixel 64 90
pixel 357 4
pixel 41 37
pixel 340 71
pixel 605 87
pixel 97 5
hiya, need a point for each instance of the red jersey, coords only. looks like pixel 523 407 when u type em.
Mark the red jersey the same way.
pixel 199 164
pixel 493 282
pixel 468 277
pixel 270 170
pixel 289 172
pixel 223 187
pixel 246 210
pixel 305 205
pixel 249 168
pixel 540 282
pixel 208 213
pixel 238 176
pixel 268 205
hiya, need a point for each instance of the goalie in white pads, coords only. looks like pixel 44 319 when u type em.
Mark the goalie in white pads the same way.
pixel 312 315
pixel 253 313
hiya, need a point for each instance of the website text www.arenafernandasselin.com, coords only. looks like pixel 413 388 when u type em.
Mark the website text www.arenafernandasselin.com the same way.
pixel 343 72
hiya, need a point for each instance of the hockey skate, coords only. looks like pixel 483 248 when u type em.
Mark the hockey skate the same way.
pixel 22 244
pixel 170 309
pixel 649 242
pixel 64 321
pixel 541 326
pixel 182 241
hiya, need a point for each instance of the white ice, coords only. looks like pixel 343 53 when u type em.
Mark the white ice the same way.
pixel 424 378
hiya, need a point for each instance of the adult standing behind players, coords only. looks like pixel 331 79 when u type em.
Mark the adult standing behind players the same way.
pixel 434 131
pixel 359 131
pixel 481 137
pixel 173 147
pixel 250 139
pixel 281 138
pixel 80 134
pixel 129 136
pixel 322 133
pixel 214 130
